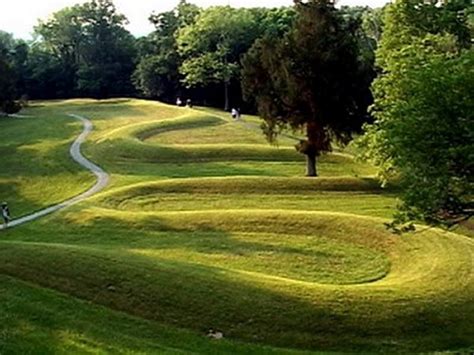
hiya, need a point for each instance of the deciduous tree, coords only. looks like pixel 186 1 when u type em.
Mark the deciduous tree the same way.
pixel 96 51
pixel 424 105
pixel 157 74
pixel 211 47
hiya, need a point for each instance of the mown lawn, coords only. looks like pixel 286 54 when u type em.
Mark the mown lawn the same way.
pixel 36 169
pixel 205 226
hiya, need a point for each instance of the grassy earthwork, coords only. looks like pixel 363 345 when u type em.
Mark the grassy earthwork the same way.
pixel 206 226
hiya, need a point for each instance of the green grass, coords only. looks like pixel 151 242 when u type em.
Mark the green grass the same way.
pixel 35 320
pixel 36 170
pixel 351 195
pixel 206 226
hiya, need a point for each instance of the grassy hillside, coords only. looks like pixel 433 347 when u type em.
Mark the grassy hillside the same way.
pixel 36 169
pixel 206 226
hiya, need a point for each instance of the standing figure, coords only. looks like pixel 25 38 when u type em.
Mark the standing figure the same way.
pixel 179 102
pixel 189 103
pixel 5 215
pixel 234 113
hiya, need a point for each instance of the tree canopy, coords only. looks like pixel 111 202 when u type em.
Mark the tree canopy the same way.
pixel 8 79
pixel 157 73
pixel 313 79
pixel 424 127
pixel 213 44
pixel 95 50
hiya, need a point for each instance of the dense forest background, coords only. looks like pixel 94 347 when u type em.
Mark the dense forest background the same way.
pixel 86 51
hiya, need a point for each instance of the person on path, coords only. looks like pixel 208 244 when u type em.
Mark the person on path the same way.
pixel 189 103
pixel 5 215
pixel 234 113
pixel 179 102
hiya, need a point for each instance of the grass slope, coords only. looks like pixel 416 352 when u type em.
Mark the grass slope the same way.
pixel 206 226
pixel 36 169
pixel 39 321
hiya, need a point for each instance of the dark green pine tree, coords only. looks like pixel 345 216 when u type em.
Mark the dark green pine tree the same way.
pixel 313 79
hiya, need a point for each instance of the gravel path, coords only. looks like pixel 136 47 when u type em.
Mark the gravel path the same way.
pixel 75 151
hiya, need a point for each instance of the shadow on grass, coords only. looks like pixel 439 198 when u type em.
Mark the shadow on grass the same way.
pixel 196 297
pixel 93 262
pixel 41 321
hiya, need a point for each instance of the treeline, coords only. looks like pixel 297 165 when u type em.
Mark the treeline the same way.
pixel 86 51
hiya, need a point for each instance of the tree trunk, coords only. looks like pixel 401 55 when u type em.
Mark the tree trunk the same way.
pixel 311 165
pixel 226 93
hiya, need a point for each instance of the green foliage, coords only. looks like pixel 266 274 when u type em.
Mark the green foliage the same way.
pixel 372 23
pixel 211 47
pixel 7 87
pixel 274 22
pixel 61 37
pixel 157 73
pixel 156 76
pixel 95 50
pixel 208 68
pixel 424 128
pixel 47 76
pixel 7 74
pixel 313 78
pixel 405 20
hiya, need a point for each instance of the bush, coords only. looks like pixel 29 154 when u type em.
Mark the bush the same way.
pixel 10 107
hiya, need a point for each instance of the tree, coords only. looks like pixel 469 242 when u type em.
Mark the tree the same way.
pixel 157 73
pixel 46 74
pixel 211 47
pixel 61 37
pixel 424 127
pixel 311 79
pixel 8 78
pixel 157 76
pixel 95 50
pixel 372 23
pixel 107 53
pixel 7 88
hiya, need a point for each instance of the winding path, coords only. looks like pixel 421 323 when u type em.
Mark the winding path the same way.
pixel 75 152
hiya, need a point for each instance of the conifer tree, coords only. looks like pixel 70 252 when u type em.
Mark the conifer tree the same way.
pixel 311 79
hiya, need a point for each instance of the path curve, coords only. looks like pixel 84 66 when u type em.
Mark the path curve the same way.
pixel 75 152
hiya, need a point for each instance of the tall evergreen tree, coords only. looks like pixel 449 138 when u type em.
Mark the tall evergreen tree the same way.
pixel 311 79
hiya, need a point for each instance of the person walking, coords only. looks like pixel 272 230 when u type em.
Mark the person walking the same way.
pixel 5 214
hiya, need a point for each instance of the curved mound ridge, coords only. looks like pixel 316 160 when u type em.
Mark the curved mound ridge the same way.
pixel 302 272
pixel 344 194
pixel 244 153
pixel 275 259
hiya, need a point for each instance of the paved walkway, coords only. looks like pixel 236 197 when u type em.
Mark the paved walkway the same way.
pixel 75 151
